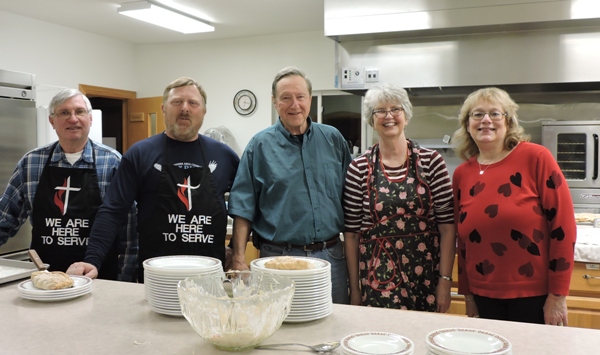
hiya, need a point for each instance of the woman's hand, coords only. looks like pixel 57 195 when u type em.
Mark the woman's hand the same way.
pixel 555 310
pixel 442 295
pixel 472 310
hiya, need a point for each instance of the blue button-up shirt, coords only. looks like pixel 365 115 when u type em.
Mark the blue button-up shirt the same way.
pixel 290 190
pixel 16 204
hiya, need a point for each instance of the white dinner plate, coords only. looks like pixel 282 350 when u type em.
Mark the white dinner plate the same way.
pixel 78 282
pixel 312 291
pixel 176 264
pixel 308 318
pixel 370 343
pixel 463 341
pixel 173 276
pixel 166 311
pixel 313 282
pixel 308 301
pixel 81 285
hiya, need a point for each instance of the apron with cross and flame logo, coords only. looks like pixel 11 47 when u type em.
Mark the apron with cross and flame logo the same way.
pixel 63 212
pixel 188 218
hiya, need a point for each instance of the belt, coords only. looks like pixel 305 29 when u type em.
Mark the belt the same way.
pixel 310 247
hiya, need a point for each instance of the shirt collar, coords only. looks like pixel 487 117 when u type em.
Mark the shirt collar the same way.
pixel 308 133
pixel 87 156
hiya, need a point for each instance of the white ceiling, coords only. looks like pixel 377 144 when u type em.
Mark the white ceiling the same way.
pixel 231 18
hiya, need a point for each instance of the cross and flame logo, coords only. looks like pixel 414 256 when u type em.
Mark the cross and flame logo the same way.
pixel 61 197
pixel 185 193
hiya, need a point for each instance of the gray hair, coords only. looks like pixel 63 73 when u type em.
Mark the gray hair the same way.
pixel 387 93
pixel 290 71
pixel 515 133
pixel 66 94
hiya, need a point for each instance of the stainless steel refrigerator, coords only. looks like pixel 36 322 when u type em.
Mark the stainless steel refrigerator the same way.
pixel 18 135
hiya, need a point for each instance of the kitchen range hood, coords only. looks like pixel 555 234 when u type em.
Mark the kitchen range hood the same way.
pixel 441 50
pixel 383 19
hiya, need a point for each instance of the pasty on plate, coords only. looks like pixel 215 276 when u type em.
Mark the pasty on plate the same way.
pixel 288 263
pixel 585 217
pixel 54 280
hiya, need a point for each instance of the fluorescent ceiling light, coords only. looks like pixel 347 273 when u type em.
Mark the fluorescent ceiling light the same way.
pixel 161 15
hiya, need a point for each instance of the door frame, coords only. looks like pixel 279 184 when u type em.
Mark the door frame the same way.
pixel 110 93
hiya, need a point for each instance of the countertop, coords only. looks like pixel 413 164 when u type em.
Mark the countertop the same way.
pixel 114 319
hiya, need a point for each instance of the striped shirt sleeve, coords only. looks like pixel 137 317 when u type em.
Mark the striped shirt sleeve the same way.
pixel 356 202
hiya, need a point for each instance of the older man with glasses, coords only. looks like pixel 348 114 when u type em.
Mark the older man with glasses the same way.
pixel 60 187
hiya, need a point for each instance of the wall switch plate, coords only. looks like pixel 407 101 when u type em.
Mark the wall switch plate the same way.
pixel 353 78
pixel 372 75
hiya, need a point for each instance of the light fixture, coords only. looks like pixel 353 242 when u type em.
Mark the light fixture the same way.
pixel 162 15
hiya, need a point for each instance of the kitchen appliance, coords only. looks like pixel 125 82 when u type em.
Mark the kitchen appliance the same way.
pixel 17 136
pixel 575 146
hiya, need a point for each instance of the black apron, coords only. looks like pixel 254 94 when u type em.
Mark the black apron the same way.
pixel 188 218
pixel 64 208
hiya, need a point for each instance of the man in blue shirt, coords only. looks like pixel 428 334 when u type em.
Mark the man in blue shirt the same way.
pixel 60 187
pixel 289 184
pixel 178 180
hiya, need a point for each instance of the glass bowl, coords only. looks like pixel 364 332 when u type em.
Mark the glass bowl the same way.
pixel 236 310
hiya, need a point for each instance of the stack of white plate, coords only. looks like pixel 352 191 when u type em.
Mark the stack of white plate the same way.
pixel 368 343
pixel 81 285
pixel 161 275
pixel 466 341
pixel 312 297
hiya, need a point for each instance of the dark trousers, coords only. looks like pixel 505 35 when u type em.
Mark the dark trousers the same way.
pixel 526 309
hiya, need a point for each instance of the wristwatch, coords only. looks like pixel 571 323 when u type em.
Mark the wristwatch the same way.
pixel 447 278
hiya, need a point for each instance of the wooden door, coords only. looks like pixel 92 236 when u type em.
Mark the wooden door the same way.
pixel 144 119
pixel 110 93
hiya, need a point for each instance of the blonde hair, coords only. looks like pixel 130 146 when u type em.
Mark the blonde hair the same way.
pixel 183 81
pixel 465 145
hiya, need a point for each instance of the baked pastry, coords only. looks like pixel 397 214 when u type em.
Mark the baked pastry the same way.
pixel 54 280
pixel 288 263
pixel 585 217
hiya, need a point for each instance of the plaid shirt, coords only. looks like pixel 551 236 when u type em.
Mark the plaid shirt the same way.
pixel 16 204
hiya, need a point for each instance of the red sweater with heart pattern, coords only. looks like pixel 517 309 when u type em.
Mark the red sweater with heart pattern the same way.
pixel 515 224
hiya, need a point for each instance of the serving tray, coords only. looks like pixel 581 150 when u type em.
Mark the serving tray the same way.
pixel 11 270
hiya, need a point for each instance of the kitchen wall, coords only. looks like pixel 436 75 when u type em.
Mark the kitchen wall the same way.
pixel 62 57
pixel 224 67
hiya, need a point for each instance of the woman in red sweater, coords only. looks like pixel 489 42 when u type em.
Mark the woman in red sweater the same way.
pixel 514 217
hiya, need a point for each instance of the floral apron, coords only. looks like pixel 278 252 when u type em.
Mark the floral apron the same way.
pixel 399 252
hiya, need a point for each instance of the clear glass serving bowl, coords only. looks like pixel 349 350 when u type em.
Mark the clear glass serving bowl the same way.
pixel 236 310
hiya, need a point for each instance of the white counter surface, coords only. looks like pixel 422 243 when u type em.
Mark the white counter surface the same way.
pixel 114 319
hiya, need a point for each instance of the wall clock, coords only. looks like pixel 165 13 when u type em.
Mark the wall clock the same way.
pixel 244 102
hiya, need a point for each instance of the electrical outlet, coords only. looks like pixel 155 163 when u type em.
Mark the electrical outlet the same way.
pixel 353 77
pixel 372 75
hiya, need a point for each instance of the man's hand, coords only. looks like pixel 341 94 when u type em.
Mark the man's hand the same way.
pixel 239 264
pixel 228 259
pixel 85 269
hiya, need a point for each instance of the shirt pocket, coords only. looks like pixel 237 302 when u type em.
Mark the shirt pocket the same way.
pixel 332 179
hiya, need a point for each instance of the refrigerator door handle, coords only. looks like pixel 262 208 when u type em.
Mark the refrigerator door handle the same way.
pixel 595 175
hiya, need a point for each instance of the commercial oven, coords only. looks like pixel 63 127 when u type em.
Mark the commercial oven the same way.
pixel 575 146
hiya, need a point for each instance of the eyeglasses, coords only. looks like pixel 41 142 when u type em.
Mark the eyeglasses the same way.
pixel 66 114
pixel 494 115
pixel 395 112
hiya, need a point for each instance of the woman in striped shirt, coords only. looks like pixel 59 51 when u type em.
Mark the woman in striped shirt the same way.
pixel 398 204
